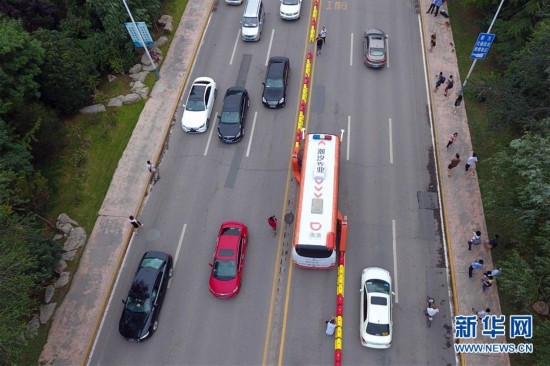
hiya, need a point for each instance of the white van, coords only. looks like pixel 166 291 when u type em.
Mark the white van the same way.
pixel 253 20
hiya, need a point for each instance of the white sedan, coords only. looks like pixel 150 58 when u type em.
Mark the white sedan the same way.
pixel 375 323
pixel 200 103
pixel 290 9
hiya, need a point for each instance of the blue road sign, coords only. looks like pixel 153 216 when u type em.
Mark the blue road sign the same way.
pixel 142 27
pixel 483 43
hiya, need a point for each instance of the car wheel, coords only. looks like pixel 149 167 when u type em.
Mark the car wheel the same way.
pixel 170 273
pixel 155 325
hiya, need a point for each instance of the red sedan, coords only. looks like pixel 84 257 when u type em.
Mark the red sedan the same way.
pixel 228 263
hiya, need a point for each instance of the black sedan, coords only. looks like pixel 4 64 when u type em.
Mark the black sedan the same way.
pixel 276 80
pixel 233 115
pixel 142 306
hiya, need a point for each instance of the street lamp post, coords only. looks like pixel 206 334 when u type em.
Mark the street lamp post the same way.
pixel 474 63
pixel 142 40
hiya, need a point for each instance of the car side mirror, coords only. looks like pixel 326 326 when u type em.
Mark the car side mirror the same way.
pixel 210 264
pixel 183 106
pixel 219 117
pixel 124 301
pixel 263 83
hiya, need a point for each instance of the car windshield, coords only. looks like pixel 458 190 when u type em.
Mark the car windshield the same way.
pixel 377 51
pixel 378 329
pixel 195 102
pixel 155 263
pixel 250 22
pixel 274 83
pixel 137 305
pixel 224 269
pixel 375 285
pixel 230 117
pixel 291 2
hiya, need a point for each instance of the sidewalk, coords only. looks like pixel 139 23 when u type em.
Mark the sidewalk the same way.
pixel 461 198
pixel 77 319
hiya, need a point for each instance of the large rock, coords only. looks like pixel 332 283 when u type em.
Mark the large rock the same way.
pixel 69 256
pixel 111 78
pixel 60 267
pixel 139 76
pixel 66 228
pixel 32 327
pixel 46 312
pixel 131 98
pixel 135 69
pixel 116 102
pixel 63 280
pixel 165 19
pixel 137 85
pixel 541 308
pixel 150 67
pixel 48 294
pixel 168 27
pixel 143 92
pixel 161 41
pixel 64 219
pixel 91 109
pixel 76 239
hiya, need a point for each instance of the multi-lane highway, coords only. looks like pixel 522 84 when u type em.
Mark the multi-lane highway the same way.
pixel 386 178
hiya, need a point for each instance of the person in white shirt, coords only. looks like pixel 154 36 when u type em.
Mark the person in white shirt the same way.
pixel 432 310
pixel 331 326
pixel 471 161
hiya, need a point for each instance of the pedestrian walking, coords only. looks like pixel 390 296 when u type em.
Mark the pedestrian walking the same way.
pixel 453 164
pixel 153 169
pixel 431 8
pixel 331 326
pixel 432 41
pixel 319 44
pixel 476 239
pixel 458 101
pixel 486 282
pixel 324 35
pixel 494 242
pixel 495 272
pixel 471 161
pixel 438 4
pixel 482 313
pixel 452 139
pixel 450 84
pixel 440 80
pixel 272 221
pixel 135 223
pixel 476 265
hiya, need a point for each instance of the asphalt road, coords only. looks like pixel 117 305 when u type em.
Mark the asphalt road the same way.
pixel 385 166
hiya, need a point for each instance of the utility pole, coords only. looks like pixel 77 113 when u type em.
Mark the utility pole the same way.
pixel 143 41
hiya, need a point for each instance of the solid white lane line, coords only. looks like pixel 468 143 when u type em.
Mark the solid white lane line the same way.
pixel 388 51
pixel 211 132
pixel 251 134
pixel 351 51
pixel 391 143
pixel 178 250
pixel 269 48
pixel 396 287
pixel 349 129
pixel 235 47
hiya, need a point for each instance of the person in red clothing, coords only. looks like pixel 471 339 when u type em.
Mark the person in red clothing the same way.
pixel 272 221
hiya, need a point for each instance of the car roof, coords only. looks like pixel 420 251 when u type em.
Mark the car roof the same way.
pixel 232 100
pixel 379 305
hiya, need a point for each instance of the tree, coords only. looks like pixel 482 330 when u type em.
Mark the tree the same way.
pixel 20 60
pixel 34 14
pixel 68 76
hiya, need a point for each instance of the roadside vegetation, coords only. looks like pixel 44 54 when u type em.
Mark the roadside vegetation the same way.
pixel 53 61
pixel 508 105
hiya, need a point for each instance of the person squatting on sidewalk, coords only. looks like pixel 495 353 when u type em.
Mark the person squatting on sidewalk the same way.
pixel 135 223
pixel 440 80
pixel 452 139
pixel 272 221
pixel 450 84
pixel 453 164
pixel 486 282
pixel 476 265
pixel 482 313
pixel 432 41
pixel 153 169
pixel 476 239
